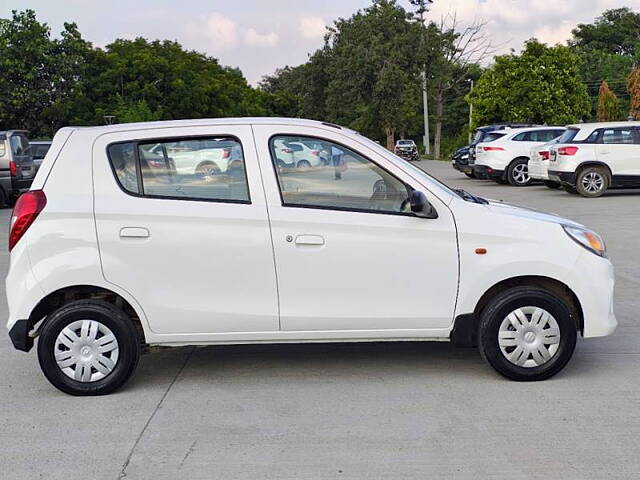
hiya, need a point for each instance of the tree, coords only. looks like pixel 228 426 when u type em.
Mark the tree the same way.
pixel 616 31
pixel 371 69
pixel 541 85
pixel 633 85
pixel 608 106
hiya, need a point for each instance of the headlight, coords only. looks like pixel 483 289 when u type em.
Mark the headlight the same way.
pixel 588 239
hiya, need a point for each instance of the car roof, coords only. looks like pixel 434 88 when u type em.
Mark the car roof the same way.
pixel 594 125
pixel 533 129
pixel 202 122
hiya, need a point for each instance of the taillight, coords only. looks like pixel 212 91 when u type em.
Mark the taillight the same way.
pixel 315 152
pixel 287 150
pixel 25 211
pixel 13 169
pixel 568 151
pixel 544 155
pixel 492 149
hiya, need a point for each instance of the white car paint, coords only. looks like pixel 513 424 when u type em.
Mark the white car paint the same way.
pixel 539 160
pixel 499 153
pixel 588 147
pixel 214 272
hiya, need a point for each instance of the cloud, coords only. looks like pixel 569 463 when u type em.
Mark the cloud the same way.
pixel 220 32
pixel 255 39
pixel 312 27
pixel 554 34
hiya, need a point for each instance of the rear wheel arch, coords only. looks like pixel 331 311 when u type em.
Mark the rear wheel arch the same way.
pixel 63 296
pixel 465 330
pixel 593 163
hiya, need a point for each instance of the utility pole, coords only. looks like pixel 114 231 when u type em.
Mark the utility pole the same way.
pixel 470 112
pixel 425 104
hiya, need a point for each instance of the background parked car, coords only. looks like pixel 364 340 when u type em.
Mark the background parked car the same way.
pixel 16 164
pixel 463 157
pixel 505 160
pixel 593 157
pixel 538 165
pixel 407 149
pixel 39 149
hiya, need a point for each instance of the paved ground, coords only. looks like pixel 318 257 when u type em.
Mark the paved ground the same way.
pixel 348 411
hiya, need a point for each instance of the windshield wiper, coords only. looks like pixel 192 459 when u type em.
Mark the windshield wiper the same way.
pixel 470 197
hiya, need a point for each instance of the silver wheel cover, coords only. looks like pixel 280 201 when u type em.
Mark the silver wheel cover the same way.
pixel 592 182
pixel 86 350
pixel 529 337
pixel 521 173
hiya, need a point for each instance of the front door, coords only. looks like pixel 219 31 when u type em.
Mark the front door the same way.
pixel 190 244
pixel 349 254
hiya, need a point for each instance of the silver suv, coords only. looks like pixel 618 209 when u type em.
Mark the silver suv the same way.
pixel 16 164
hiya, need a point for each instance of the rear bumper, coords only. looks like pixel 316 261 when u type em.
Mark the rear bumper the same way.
pixel 484 171
pixel 538 171
pixel 562 177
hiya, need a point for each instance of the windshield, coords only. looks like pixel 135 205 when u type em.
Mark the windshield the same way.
pixel 418 171
pixel 19 145
pixel 405 142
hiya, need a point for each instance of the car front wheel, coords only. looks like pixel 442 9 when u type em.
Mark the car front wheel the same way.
pixel 88 347
pixel 518 173
pixel 527 334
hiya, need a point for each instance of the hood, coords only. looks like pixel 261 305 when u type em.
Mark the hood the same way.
pixel 502 208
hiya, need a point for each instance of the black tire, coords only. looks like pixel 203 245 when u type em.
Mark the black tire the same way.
pixel 304 165
pixel 501 180
pixel 111 317
pixel 470 174
pixel 551 184
pixel 518 173
pixel 3 199
pixel 505 303
pixel 570 189
pixel 592 182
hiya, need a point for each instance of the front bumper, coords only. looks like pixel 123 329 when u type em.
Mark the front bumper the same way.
pixel 461 167
pixel 484 171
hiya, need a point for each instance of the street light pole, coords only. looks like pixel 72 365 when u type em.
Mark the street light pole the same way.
pixel 425 104
pixel 470 111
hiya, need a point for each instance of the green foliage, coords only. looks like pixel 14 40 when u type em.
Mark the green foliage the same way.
pixel 615 32
pixel 47 83
pixel 541 85
pixel 608 105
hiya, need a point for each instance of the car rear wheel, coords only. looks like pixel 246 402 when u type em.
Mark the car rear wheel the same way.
pixel 527 334
pixel 551 184
pixel 592 182
pixel 304 164
pixel 518 173
pixel 88 347
pixel 207 169
pixel 470 174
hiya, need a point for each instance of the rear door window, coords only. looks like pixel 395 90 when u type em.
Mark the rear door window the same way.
pixel 197 169
pixel 618 136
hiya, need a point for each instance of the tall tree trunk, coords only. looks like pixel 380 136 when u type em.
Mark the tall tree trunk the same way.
pixel 439 119
pixel 391 140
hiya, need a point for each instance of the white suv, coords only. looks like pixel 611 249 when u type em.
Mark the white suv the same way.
pixel 593 157
pixel 505 159
pixel 110 255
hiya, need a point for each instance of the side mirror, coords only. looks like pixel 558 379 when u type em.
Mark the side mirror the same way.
pixel 420 206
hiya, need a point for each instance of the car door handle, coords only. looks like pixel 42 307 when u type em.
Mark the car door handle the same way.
pixel 134 232
pixel 309 240
pixel 605 152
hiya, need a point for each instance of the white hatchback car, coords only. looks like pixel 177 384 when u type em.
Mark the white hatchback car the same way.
pixel 538 165
pixel 109 255
pixel 590 158
pixel 505 159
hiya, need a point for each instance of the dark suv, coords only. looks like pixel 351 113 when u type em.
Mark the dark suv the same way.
pixel 463 158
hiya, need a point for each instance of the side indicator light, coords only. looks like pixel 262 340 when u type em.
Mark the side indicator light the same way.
pixel 481 251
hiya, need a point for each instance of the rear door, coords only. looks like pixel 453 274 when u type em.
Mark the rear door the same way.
pixel 192 247
pixel 619 148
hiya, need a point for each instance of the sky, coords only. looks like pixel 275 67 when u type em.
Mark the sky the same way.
pixel 259 36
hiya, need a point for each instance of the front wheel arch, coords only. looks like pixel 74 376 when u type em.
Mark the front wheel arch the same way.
pixel 465 328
